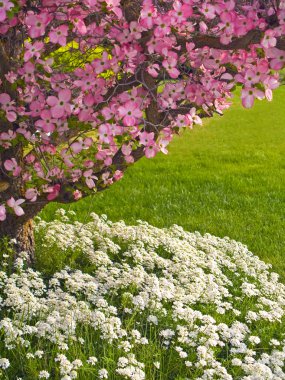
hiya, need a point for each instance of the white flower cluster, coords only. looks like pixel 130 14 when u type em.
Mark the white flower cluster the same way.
pixel 160 303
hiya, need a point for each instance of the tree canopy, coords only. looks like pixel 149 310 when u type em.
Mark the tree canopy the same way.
pixel 88 87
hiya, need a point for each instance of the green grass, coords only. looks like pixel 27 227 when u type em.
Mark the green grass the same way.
pixel 226 178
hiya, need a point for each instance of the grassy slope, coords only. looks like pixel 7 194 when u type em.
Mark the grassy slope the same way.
pixel 225 178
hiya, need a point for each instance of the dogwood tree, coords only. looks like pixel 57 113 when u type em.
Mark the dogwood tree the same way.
pixel 88 87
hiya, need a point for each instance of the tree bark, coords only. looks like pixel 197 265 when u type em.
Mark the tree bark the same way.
pixel 22 230
pixel 23 234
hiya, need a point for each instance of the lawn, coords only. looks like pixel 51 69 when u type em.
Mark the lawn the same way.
pixel 225 178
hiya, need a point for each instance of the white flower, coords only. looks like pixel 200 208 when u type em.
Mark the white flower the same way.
pixel 4 363
pixel 236 362
pixel 183 354
pixel 148 287
pixel 275 342
pixel 254 339
pixel 156 364
pixel 81 340
pixel 44 375
pixel 152 319
pixel 92 360
pixel 103 373
pixel 39 354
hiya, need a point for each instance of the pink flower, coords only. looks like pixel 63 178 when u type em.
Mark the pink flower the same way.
pixel 147 138
pixel 60 106
pixel 37 24
pixel 35 108
pixel 9 135
pixel 268 40
pixel 151 150
pixel 88 164
pixel 162 145
pixel 53 192
pixel 153 70
pixel 5 5
pixel 136 30
pixel 79 145
pixel 148 14
pixel 76 15
pixel 127 149
pixel 2 213
pixel 249 94
pixel 127 152
pixel 191 118
pixel 181 12
pixel 31 194
pixel 77 194
pixel 118 175
pixel 7 105
pixel 277 58
pixel 89 178
pixel 12 165
pixel 15 205
pixel 170 65
pixel 46 123
pixel 30 158
pixel 33 50
pixel 130 112
pixel 59 35
pixel 76 174
pixel 114 6
pixel 11 77
pixel 105 133
pixel 163 26
pixel 27 71
pixel 5 99
pixel 106 179
pixel 208 10
pixel 66 158
pixel 109 112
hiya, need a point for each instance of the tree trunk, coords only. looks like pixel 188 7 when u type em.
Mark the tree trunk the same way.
pixel 23 233
pixel 21 229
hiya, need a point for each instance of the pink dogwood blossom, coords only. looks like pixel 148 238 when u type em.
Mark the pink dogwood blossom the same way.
pixel 58 35
pixel 5 6
pixel 53 192
pixel 130 113
pixel 60 105
pixel 12 165
pixel 89 178
pixel 15 205
pixel 2 213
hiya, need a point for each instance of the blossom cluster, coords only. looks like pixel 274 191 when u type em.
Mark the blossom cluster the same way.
pixel 155 303
pixel 93 85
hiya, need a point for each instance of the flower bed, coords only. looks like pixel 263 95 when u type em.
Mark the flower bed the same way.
pixel 147 303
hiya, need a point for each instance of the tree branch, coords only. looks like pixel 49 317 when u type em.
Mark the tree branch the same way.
pixel 252 37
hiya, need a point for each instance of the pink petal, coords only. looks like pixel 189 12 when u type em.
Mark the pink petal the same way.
pixel 52 101
pixel 57 111
pixel 129 121
pixel 64 95
pixel 19 211
pixel 11 116
pixel 11 202
pixel 4 98
pixel 9 165
pixel 2 213
pixel 76 147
